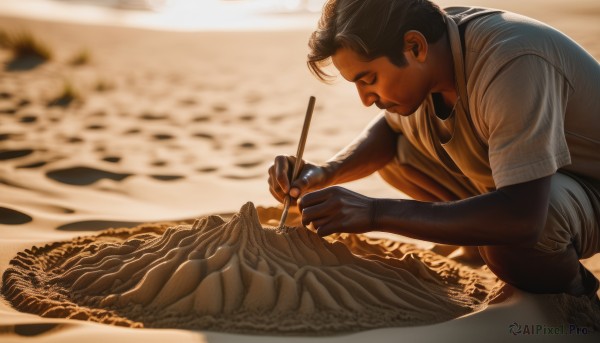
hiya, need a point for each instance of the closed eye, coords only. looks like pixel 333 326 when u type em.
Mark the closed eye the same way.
pixel 370 80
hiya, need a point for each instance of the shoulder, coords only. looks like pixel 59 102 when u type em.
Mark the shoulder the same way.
pixel 511 31
pixel 495 41
pixel 499 37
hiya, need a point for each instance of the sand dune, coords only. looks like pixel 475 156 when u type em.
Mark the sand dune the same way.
pixel 238 276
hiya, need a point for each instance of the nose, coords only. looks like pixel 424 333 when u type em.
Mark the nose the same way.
pixel 367 96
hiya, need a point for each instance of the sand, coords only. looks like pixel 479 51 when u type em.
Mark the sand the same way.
pixel 238 276
pixel 171 126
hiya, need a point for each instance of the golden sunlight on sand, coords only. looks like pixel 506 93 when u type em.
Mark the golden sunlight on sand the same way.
pixel 112 119
pixel 238 276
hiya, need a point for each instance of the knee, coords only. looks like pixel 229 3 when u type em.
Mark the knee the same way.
pixel 555 236
pixel 504 263
pixel 531 270
pixel 561 227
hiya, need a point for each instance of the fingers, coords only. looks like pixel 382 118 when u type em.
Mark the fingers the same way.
pixel 282 173
pixel 336 209
pixel 279 174
pixel 318 209
pixel 314 214
pixel 315 198
pixel 326 229
pixel 325 225
pixel 307 178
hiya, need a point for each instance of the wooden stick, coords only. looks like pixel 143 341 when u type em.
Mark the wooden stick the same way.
pixel 287 201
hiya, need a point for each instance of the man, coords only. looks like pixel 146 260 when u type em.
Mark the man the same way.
pixel 491 123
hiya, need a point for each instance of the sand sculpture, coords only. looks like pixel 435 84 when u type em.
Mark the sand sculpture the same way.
pixel 238 276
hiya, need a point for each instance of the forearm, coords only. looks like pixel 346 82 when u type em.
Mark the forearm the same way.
pixel 370 151
pixel 497 218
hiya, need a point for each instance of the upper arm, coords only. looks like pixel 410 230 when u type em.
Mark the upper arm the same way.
pixel 522 110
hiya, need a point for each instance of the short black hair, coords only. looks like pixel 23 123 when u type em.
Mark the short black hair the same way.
pixel 371 28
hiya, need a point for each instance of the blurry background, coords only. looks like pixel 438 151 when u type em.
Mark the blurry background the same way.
pixel 234 15
pixel 174 14
pixel 152 102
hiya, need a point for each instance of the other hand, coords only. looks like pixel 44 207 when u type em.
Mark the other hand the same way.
pixel 337 209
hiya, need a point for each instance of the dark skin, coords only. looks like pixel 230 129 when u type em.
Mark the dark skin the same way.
pixel 504 224
pixel 508 216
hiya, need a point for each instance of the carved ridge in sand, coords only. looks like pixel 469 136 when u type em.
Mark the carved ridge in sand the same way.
pixel 238 276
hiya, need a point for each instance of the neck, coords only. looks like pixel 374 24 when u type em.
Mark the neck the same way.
pixel 443 66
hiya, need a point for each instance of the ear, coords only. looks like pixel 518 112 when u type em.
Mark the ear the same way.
pixel 415 42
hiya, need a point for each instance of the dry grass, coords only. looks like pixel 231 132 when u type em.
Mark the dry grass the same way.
pixel 66 96
pixel 103 85
pixel 25 45
pixel 83 57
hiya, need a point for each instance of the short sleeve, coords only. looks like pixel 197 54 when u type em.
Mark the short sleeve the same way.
pixel 523 109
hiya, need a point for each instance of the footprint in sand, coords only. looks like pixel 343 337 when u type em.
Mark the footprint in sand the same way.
pixel 219 108
pixel 167 177
pixel 83 176
pixel 28 119
pixel 75 140
pixel 33 165
pixel 247 165
pixel 132 132
pixel 23 103
pixel 96 127
pixel 9 216
pixel 207 169
pixel 247 145
pixel 201 118
pixel 163 136
pixel 203 135
pixel 9 110
pixel 247 118
pixel 32 330
pixel 95 225
pixel 281 143
pixel 12 154
pixel 216 145
pixel 153 117
pixel 242 177
pixel 112 159
pixel 11 136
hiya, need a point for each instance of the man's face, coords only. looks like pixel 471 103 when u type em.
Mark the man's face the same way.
pixel 399 90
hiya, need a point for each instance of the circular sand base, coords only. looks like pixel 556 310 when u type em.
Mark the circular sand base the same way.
pixel 240 275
